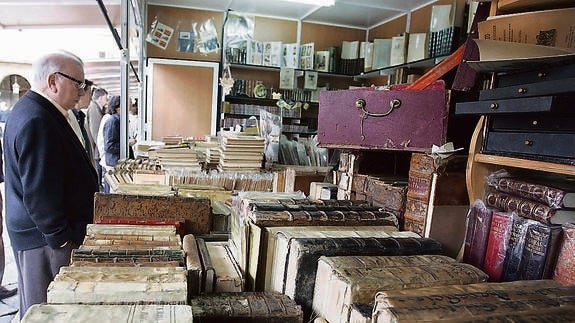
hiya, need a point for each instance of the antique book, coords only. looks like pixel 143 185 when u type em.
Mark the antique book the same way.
pixel 340 283
pixel 271 255
pixel 131 236
pixel 478 226
pixel 522 206
pixel 196 212
pixel 228 277
pixel 540 251
pixel 350 49
pixel 144 313
pixel 417 47
pixel 246 307
pixel 301 261
pixel 128 257
pixel 514 253
pixel 565 267
pixel 497 244
pixel 387 193
pixel 119 285
pixel 208 269
pixel 193 265
pixel 398 52
pixel 290 56
pixel 381 53
pixel 472 302
pixel 272 53
pixel 548 195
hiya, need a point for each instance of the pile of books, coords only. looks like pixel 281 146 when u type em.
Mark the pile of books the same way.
pixel 240 151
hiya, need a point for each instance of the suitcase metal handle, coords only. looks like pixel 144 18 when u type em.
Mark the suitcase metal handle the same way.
pixel 360 105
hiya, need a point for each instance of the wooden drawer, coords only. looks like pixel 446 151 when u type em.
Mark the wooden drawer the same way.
pixel 539 74
pixel 561 86
pixel 554 104
pixel 533 123
pixel 539 145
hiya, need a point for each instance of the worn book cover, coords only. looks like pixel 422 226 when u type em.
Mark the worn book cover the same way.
pixel 339 284
pixel 514 254
pixel 193 265
pixel 228 277
pixel 522 206
pixel 208 269
pixel 551 196
pixel 301 264
pixel 497 244
pixel 539 254
pixel 247 307
pixel 565 268
pixel 478 226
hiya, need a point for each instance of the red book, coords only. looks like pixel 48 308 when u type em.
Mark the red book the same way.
pixel 497 244
pixel 478 226
pixel 565 267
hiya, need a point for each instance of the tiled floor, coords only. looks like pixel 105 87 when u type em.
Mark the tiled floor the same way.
pixel 8 306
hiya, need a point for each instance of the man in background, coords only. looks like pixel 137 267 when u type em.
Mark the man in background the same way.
pixel 94 114
pixel 77 114
pixel 49 179
pixel 4 292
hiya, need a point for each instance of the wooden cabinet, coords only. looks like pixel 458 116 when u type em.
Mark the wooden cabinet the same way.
pixel 481 165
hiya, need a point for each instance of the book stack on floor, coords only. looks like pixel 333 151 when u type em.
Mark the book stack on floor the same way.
pixel 102 268
pixel 241 152
pixel 515 233
pixel 185 157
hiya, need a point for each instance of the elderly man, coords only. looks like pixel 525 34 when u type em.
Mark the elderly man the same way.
pixel 49 178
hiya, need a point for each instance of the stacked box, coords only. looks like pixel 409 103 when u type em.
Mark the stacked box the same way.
pixel 343 281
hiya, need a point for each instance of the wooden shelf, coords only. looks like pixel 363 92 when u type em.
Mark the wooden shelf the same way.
pixel 526 164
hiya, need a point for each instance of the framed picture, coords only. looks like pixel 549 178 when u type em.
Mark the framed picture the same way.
pixel 310 80
pixel 322 61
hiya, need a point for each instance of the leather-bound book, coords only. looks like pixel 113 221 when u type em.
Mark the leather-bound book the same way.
pixel 128 257
pixel 52 313
pixel 246 307
pixel 193 264
pixel 542 193
pixel 478 226
pixel 119 285
pixel 522 206
pixel 301 265
pixel 208 269
pixel 341 281
pixel 497 244
pixel 475 302
pixel 539 254
pixel 228 277
pixel 565 268
pixel 514 254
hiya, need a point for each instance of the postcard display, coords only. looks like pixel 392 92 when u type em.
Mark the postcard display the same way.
pixel 395 119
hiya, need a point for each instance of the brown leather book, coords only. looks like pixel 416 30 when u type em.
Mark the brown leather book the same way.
pixel 565 268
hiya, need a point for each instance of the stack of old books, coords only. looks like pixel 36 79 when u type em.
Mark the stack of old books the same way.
pixel 124 264
pixel 241 152
pixel 180 157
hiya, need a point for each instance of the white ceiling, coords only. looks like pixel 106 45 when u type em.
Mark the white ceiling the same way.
pixel 362 14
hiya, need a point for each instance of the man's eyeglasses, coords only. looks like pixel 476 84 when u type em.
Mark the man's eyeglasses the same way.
pixel 81 85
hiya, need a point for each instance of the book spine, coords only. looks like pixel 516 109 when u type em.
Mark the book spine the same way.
pixel 522 206
pixel 497 244
pixel 539 244
pixel 550 196
pixel 478 225
pixel 565 268
pixel 193 264
pixel 415 215
pixel 208 275
pixel 511 264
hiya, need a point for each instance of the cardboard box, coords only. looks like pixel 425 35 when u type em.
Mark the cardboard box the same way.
pixel 510 6
pixel 555 28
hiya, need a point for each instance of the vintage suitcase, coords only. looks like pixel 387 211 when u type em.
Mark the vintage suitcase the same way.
pixel 246 307
pixel 263 264
pixel 368 118
pixel 297 279
pixel 57 313
pixel 119 285
pixel 195 211
pixel 342 281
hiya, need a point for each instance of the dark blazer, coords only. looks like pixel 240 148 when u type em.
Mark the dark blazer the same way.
pixel 50 182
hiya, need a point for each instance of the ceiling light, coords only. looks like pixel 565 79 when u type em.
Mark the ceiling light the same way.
pixel 325 3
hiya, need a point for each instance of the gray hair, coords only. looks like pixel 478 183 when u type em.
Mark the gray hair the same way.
pixel 51 63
